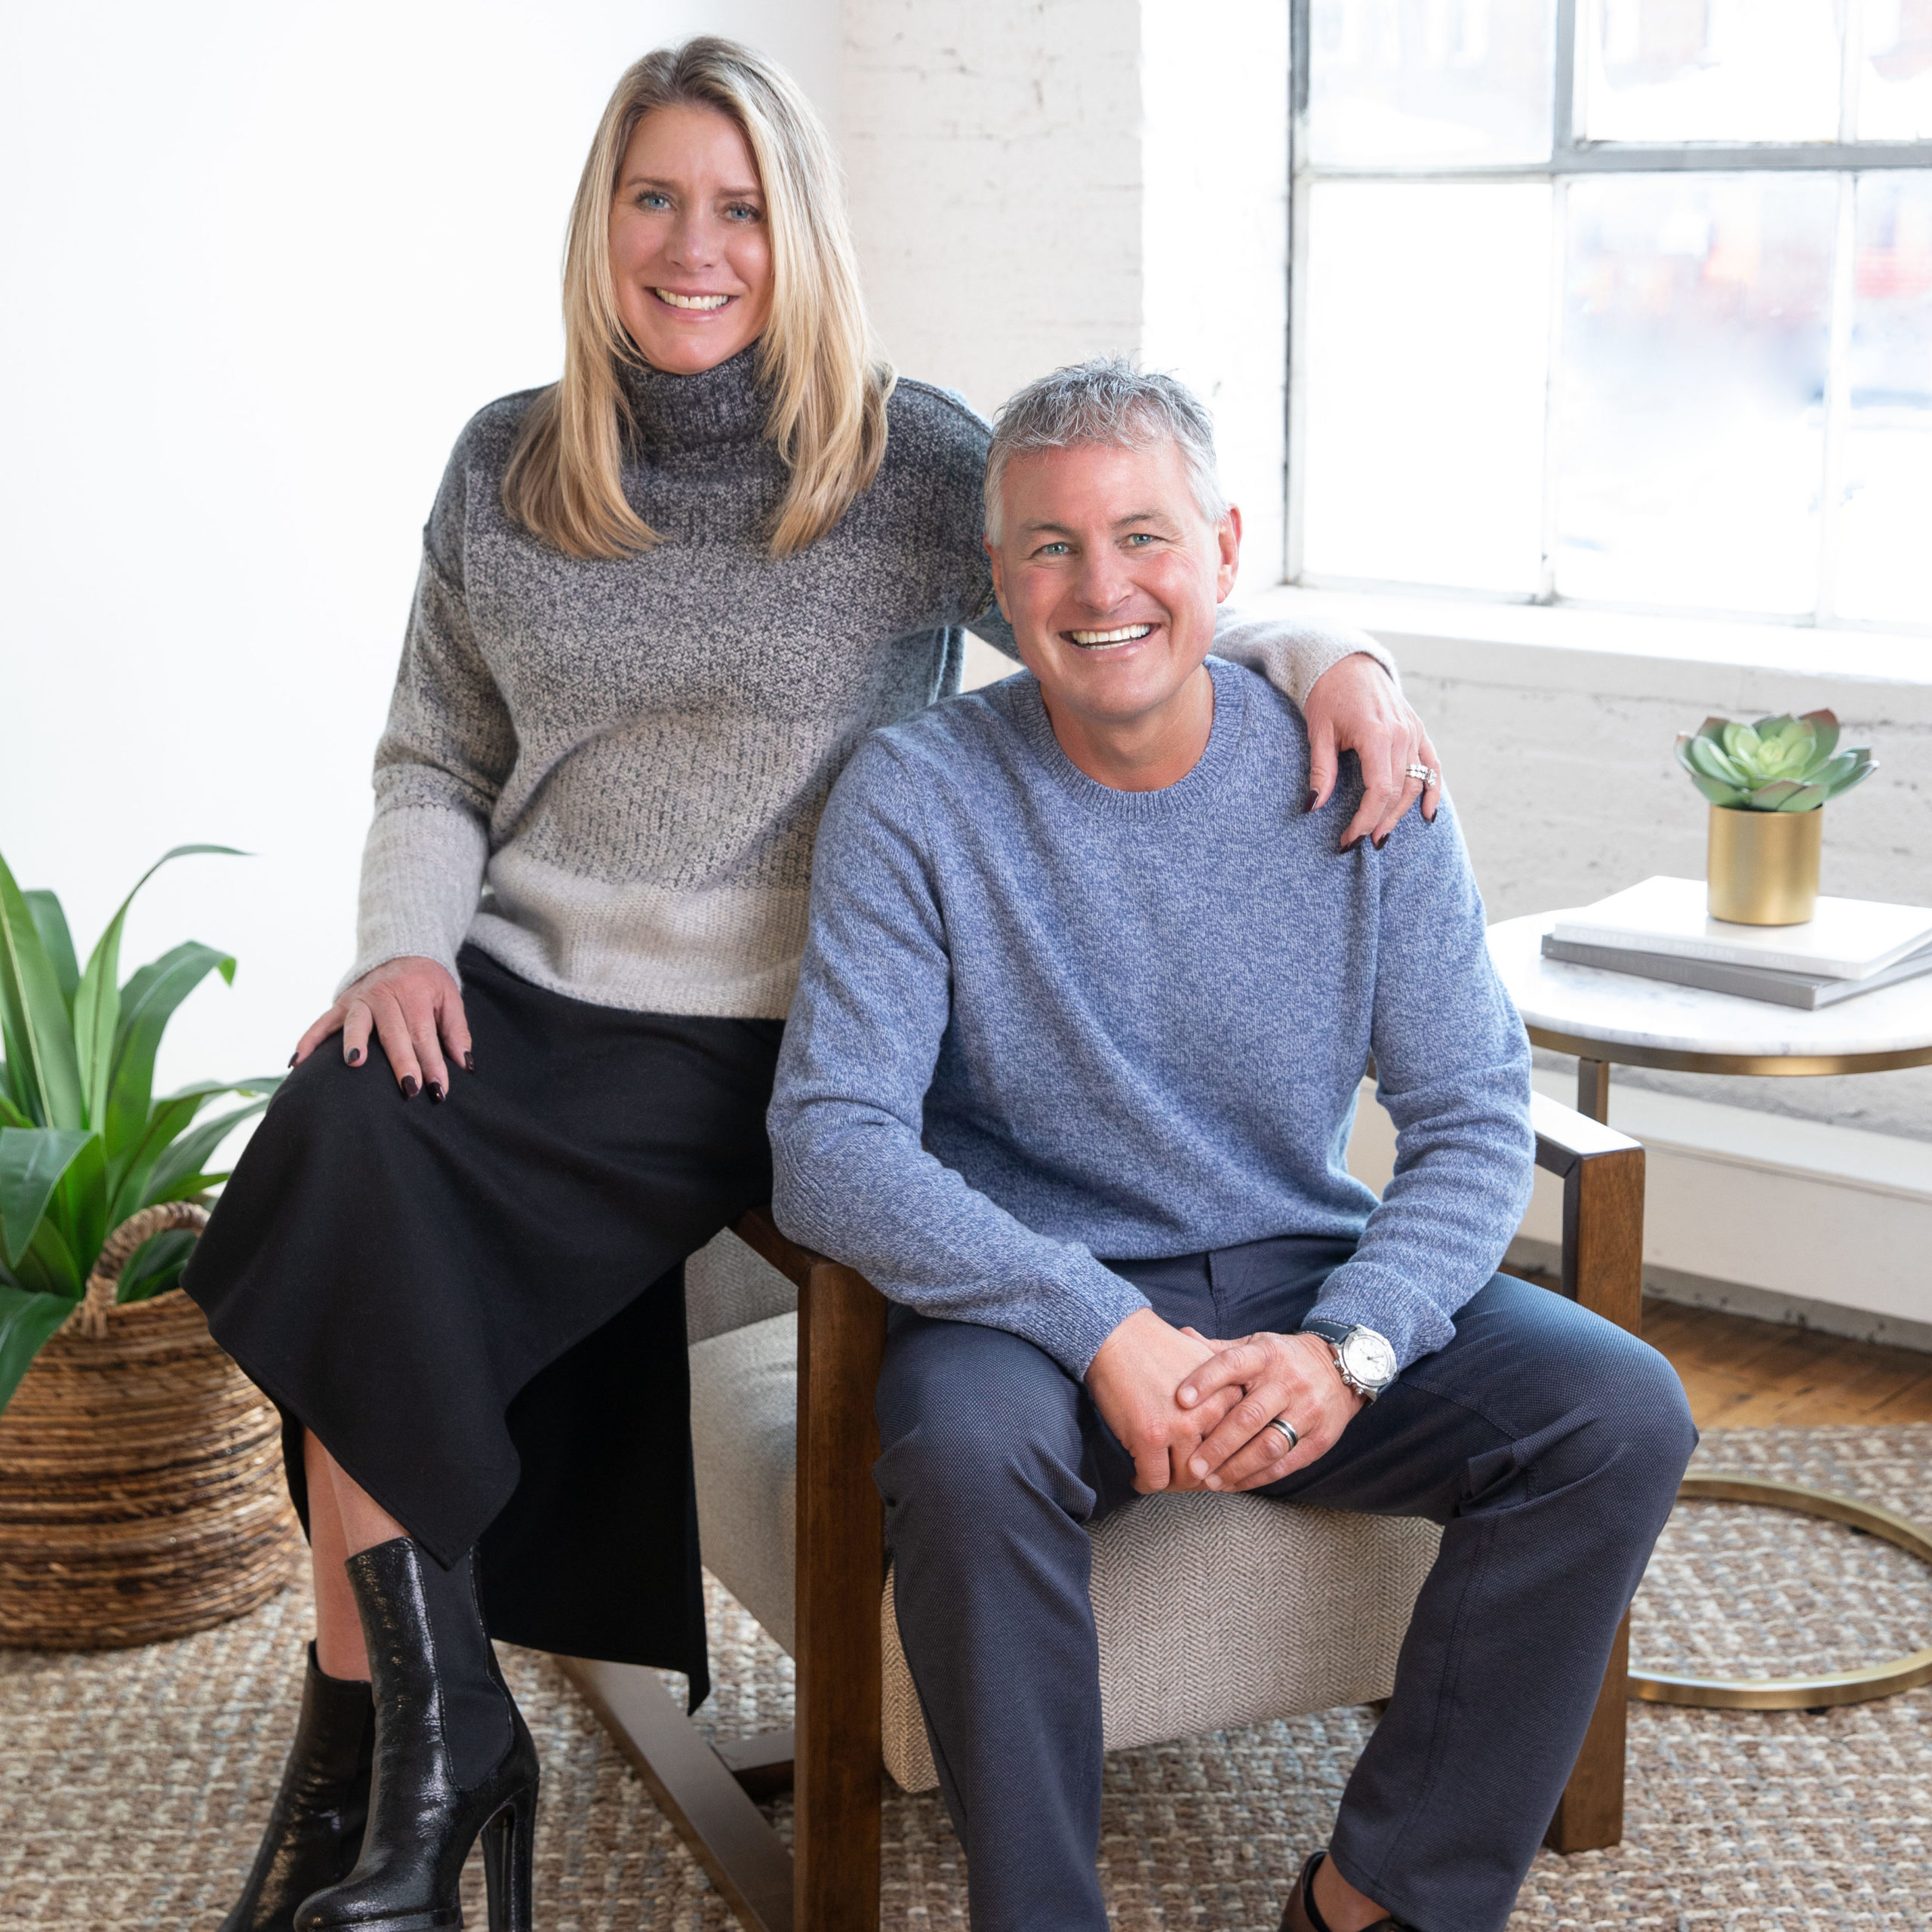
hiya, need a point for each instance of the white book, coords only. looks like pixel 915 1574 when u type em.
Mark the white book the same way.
pixel 1846 939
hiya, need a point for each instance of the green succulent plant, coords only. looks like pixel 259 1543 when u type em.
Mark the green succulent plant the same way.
pixel 1775 764
pixel 83 1142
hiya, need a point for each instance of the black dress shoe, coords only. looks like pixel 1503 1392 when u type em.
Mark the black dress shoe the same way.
pixel 1301 1916
pixel 315 1831
pixel 454 1758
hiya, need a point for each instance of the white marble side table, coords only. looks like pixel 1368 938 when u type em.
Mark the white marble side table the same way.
pixel 1607 1018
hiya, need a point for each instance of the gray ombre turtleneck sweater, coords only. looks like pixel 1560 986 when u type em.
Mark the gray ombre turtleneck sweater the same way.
pixel 608 776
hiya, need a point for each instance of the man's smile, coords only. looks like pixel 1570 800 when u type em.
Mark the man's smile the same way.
pixel 1101 640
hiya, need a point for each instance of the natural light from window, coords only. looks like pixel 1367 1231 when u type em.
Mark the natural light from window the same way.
pixel 1624 303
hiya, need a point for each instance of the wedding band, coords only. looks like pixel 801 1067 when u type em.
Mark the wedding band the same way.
pixel 1426 772
pixel 1288 1430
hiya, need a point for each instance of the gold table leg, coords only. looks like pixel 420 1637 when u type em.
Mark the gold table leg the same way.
pixel 1787 1693
pixel 1593 1089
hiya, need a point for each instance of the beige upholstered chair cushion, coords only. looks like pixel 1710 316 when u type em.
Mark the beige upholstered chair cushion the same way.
pixel 1310 1604
pixel 1308 1609
pixel 729 1284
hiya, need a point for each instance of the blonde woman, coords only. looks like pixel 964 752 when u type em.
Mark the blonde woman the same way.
pixel 660 603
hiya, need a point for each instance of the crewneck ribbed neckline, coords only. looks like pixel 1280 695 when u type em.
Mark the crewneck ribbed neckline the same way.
pixel 1185 794
pixel 715 407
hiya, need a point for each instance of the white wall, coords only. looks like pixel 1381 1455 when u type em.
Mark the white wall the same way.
pixel 261 262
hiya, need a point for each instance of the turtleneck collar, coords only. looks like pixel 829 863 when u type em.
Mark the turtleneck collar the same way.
pixel 717 406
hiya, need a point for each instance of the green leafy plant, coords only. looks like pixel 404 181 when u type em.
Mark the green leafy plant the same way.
pixel 83 1142
pixel 1775 765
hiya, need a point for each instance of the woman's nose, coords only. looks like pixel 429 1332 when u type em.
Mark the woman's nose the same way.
pixel 695 242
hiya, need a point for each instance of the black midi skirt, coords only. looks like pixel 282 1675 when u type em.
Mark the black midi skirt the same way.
pixel 477 1306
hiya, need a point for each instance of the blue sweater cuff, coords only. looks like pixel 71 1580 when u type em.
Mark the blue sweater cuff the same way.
pixel 1364 1295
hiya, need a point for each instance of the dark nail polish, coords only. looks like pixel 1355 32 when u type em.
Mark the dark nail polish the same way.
pixel 291 1059
pixel 1379 843
pixel 469 1063
pixel 436 1091
pixel 410 1089
pixel 1311 797
pixel 355 1058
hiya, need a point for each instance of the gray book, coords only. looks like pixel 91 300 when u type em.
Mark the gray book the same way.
pixel 1808 990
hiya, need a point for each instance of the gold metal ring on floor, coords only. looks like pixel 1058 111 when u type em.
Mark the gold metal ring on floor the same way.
pixel 1787 1694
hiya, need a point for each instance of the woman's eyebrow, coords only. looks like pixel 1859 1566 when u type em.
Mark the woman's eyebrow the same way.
pixel 658 181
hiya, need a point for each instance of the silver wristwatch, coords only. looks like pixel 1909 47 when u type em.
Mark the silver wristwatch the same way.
pixel 1363 1359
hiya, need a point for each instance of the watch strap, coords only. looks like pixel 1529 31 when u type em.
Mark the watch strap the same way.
pixel 1335 1332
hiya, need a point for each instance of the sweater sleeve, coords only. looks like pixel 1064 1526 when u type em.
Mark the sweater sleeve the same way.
pixel 444 756
pixel 1452 1065
pixel 850 1176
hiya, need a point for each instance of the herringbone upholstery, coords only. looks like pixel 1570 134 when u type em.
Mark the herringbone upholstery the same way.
pixel 1307 1607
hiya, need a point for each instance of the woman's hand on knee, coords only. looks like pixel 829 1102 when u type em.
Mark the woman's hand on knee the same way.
pixel 415 1008
pixel 1291 1376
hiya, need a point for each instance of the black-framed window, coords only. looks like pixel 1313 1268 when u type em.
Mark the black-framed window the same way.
pixel 1619 303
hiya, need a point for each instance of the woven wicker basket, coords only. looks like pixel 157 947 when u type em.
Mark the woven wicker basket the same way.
pixel 141 1491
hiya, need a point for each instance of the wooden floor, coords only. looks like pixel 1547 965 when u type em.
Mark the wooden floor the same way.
pixel 1741 1374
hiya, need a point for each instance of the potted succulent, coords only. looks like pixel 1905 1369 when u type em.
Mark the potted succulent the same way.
pixel 138 1471
pixel 1768 783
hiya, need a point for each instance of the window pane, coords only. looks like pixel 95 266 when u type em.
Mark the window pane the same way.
pixel 1709 70
pixel 1885 517
pixel 1450 81
pixel 1895 91
pixel 1695 329
pixel 1427 348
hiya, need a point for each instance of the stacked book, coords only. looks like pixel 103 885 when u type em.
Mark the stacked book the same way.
pixel 1660 930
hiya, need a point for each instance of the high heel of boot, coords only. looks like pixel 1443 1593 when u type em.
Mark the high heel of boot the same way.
pixel 509 1852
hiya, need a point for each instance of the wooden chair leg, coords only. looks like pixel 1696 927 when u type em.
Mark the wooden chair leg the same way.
pixel 1589 1815
pixel 841 1573
pixel 1603 1271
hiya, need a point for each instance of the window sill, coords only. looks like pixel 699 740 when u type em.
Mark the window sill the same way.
pixel 1750 665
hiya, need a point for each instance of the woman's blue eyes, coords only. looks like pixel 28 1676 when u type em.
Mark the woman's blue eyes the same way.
pixel 651 203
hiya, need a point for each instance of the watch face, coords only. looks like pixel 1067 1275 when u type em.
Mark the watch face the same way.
pixel 1369 1358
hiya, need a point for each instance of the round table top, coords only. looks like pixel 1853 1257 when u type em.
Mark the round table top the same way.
pixel 1619 1016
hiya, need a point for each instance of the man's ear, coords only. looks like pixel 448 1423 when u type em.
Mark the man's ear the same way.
pixel 1227 534
pixel 999 576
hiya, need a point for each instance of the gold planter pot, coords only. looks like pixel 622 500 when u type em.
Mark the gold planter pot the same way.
pixel 1763 867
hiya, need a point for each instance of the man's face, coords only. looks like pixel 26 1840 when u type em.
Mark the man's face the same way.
pixel 1109 574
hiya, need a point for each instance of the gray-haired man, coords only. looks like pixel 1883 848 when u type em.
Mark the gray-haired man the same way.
pixel 1085 980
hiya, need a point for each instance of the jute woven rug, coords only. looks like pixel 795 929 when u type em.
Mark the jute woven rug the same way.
pixel 133 1784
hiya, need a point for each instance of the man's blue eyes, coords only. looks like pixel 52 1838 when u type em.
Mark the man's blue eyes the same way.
pixel 1061 549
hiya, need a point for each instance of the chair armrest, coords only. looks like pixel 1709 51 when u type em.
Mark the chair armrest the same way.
pixel 1602 1173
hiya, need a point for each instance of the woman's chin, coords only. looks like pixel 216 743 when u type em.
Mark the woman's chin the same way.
pixel 688 350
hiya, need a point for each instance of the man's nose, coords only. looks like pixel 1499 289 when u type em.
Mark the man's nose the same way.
pixel 1103 583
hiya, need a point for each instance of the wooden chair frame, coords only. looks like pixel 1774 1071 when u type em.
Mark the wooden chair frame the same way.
pixel 830 1881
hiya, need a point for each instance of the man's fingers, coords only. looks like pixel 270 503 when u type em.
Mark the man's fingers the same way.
pixel 455 1025
pixel 1323 763
pixel 329 1022
pixel 1265 1460
pixel 1240 1426
pixel 1238 1361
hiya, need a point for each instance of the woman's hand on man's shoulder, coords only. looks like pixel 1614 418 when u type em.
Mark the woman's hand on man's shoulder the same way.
pixel 414 1007
pixel 1354 706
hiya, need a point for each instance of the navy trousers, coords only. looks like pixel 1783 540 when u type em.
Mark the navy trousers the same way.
pixel 1546 1441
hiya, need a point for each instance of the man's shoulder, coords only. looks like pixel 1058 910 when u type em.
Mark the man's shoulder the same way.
pixel 961 744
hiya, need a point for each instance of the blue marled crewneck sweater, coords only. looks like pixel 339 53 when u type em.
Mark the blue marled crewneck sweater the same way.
pixel 1042 1020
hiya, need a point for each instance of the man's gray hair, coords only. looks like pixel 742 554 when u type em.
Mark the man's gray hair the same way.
pixel 1109 402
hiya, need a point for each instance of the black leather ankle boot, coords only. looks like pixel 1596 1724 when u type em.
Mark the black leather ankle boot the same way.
pixel 314 1831
pixel 453 1758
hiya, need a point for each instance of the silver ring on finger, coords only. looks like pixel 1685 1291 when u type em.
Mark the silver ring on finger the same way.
pixel 1425 773
pixel 1287 1430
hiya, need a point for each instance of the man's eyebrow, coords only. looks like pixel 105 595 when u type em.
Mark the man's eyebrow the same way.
pixel 1119 522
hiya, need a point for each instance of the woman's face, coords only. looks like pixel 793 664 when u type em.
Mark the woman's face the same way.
pixel 691 253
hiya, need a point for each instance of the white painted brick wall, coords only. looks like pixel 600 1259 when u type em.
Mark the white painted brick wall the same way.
pixel 1035 181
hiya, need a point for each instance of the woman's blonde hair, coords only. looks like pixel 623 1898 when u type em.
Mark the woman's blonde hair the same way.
pixel 828 388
